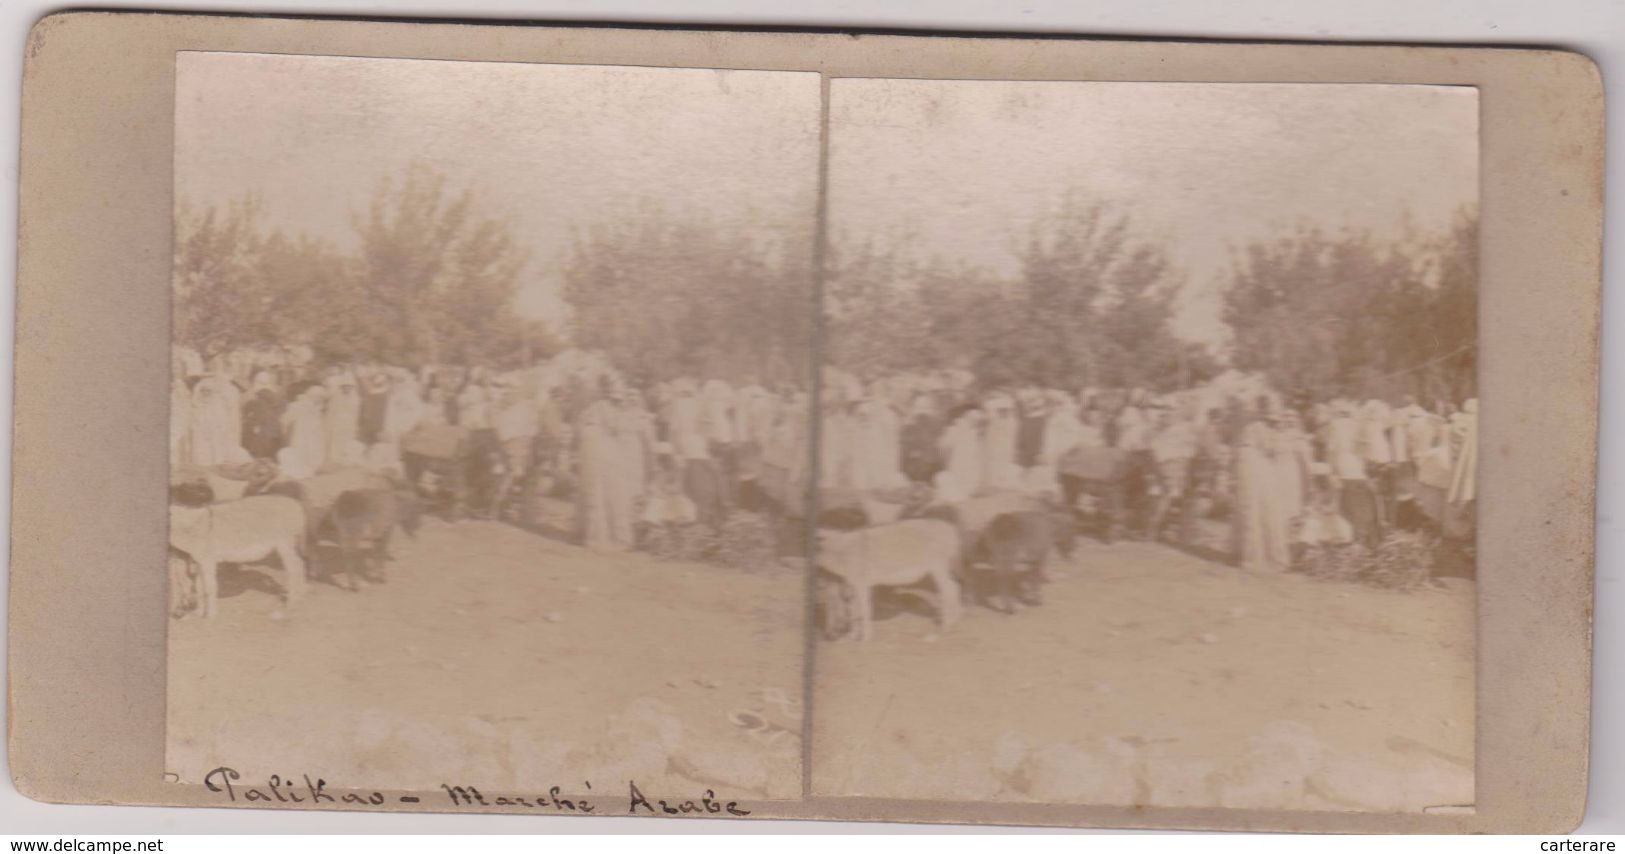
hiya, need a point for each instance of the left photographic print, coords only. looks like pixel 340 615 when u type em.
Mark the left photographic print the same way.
pixel 489 426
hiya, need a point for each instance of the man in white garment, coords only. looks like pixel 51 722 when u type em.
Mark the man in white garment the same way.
pixel 1063 431
pixel 962 446
pixel 1346 454
pixel 754 413
pixel 1406 451
pixel 879 438
pixel 700 476
pixel 516 422
pixel 1378 449
pixel 215 437
pixel 343 421
pixel 1172 448
pixel 1000 471
pixel 717 420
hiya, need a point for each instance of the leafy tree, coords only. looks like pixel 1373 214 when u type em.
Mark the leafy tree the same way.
pixel 438 279
pixel 1090 305
pixel 668 296
pixel 218 292
pixel 1326 315
pixel 432 281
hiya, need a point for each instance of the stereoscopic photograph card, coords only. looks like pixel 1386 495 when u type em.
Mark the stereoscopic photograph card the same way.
pixel 568 421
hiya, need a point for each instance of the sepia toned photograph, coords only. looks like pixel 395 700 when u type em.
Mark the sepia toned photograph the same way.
pixel 489 410
pixel 1148 445
pixel 564 429
pixel 825 428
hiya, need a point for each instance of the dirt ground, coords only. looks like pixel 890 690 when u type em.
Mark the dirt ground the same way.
pixel 502 659
pixel 1152 677
pixel 499 658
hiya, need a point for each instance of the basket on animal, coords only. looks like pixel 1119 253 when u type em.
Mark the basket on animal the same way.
pixel 435 441
pixel 1094 463
pixel 446 465
pixel 227 481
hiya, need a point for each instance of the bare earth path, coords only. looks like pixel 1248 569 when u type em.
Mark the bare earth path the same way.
pixel 499 658
pixel 1153 677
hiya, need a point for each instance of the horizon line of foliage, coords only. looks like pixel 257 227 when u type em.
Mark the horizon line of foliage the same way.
pixel 1348 315
pixel 669 296
pixel 433 281
pixel 1089 306
pixel 1319 315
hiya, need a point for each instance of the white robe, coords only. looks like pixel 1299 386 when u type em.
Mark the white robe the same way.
pixel 1464 472
pixel 603 504
pixel 1062 432
pixel 635 439
pixel 306 451
pixel 1421 434
pixel 1133 429
pixel 686 430
pixel 963 449
pixel 343 423
pixel 403 411
pixel 1343 448
pixel 879 447
pixel 180 423
pixel 1374 443
pixel 474 408
pixel 215 430
pixel 999 457
pixel 839 468
pixel 718 412
pixel 753 414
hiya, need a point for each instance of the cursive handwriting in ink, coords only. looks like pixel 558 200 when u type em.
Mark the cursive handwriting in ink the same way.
pixel 469 796
pixel 284 790
pixel 278 790
pixel 708 804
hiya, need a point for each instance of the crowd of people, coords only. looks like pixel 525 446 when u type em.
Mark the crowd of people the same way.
pixel 690 452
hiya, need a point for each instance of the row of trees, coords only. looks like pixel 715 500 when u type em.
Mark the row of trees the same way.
pixel 1347 314
pixel 1090 305
pixel 668 297
pixel 431 279
pixel 1319 314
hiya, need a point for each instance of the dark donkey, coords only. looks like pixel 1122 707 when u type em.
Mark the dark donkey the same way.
pixel 1017 545
pixel 364 517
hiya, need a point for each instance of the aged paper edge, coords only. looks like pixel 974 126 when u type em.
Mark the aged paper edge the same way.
pixel 87 643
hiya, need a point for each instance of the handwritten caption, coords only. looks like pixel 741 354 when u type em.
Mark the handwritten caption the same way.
pixel 280 790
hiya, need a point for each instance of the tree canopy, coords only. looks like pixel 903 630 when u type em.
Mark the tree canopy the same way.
pixel 1089 305
pixel 431 280
pixel 1324 315
pixel 667 296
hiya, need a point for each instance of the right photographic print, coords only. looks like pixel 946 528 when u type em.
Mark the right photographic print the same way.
pixel 1147 445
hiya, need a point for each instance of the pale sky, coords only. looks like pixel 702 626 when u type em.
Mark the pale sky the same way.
pixel 556 147
pixel 964 167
